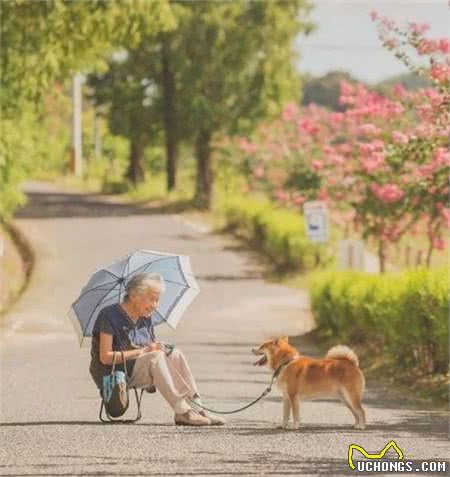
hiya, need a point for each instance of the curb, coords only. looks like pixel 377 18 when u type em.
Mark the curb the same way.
pixel 28 257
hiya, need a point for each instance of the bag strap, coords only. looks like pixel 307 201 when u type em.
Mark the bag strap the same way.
pixel 113 363
pixel 124 364
pixel 123 360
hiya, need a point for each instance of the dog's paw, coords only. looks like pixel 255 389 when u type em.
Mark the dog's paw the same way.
pixel 282 425
pixel 360 427
pixel 295 426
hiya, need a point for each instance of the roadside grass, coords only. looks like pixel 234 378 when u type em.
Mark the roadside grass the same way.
pixel 16 266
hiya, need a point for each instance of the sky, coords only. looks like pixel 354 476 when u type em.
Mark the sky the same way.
pixel 346 39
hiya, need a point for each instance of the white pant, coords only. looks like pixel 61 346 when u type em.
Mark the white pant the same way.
pixel 171 376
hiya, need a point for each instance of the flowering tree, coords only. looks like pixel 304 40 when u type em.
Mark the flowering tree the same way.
pixel 384 159
pixel 431 176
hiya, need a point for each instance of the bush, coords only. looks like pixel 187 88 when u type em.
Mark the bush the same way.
pixel 279 233
pixel 406 313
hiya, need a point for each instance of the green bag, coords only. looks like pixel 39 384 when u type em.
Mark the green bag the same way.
pixel 115 390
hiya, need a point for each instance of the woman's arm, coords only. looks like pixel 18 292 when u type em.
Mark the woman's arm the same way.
pixel 107 353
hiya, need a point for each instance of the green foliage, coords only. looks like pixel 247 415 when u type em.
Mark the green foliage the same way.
pixel 44 42
pixel 238 60
pixel 18 139
pixel 405 314
pixel 279 234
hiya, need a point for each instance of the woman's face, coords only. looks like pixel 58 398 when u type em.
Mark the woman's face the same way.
pixel 146 303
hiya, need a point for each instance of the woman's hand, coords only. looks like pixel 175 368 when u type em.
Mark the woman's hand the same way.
pixel 151 347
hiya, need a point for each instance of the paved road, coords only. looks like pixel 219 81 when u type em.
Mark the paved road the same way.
pixel 49 405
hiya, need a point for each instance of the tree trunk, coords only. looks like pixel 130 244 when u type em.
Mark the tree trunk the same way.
pixel 431 234
pixel 429 254
pixel 203 193
pixel 135 172
pixel 382 256
pixel 169 113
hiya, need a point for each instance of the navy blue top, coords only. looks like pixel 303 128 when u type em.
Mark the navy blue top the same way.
pixel 127 334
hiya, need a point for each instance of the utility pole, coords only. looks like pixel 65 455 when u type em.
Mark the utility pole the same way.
pixel 77 145
pixel 97 135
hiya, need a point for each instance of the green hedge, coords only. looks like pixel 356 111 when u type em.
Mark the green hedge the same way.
pixel 277 232
pixel 404 314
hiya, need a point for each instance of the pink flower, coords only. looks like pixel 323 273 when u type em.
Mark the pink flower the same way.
pixel 441 157
pixel 434 96
pixel 388 193
pixel 346 88
pixel 373 162
pixel 444 45
pixel 445 212
pixel 369 130
pixel 426 47
pixel 390 43
pixel 440 72
pixel 297 198
pixel 335 159
pixel 308 126
pixel 374 15
pixel 418 28
pixel 317 165
pixel 366 148
pixel 290 112
pixel 259 172
pixel 323 195
pixel 281 195
pixel 247 146
pixel 399 137
pixel 332 181
pixel 399 90
pixel 337 118
pixel 438 244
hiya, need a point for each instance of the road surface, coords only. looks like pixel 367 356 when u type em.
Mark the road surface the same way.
pixel 49 406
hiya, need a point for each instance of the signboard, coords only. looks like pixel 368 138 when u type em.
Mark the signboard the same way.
pixel 316 219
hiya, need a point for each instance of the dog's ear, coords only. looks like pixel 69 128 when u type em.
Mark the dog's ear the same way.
pixel 278 340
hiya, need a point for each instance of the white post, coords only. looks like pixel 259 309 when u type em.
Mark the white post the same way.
pixel 97 136
pixel 77 151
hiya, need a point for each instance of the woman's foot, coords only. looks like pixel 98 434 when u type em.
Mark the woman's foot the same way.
pixel 191 418
pixel 215 420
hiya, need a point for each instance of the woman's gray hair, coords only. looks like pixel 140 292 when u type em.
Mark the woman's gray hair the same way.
pixel 143 283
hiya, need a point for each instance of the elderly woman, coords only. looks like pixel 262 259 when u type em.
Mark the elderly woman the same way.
pixel 128 326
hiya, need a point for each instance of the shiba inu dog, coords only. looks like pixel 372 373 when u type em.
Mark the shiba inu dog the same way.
pixel 301 377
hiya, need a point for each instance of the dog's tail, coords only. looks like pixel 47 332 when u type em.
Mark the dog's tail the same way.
pixel 343 352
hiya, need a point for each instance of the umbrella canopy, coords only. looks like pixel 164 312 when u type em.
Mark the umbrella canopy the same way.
pixel 107 286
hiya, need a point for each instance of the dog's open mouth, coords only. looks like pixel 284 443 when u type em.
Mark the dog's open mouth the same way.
pixel 261 361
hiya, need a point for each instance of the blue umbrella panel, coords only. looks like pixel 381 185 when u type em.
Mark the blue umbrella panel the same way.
pixel 107 286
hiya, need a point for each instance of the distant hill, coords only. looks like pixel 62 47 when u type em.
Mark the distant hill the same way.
pixel 325 90
pixel 409 80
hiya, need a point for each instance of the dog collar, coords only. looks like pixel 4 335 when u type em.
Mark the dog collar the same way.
pixel 282 365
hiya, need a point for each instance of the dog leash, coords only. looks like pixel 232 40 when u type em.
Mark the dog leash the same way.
pixel 264 393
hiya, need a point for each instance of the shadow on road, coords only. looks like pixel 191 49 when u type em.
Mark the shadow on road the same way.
pixel 45 205
pixel 426 425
